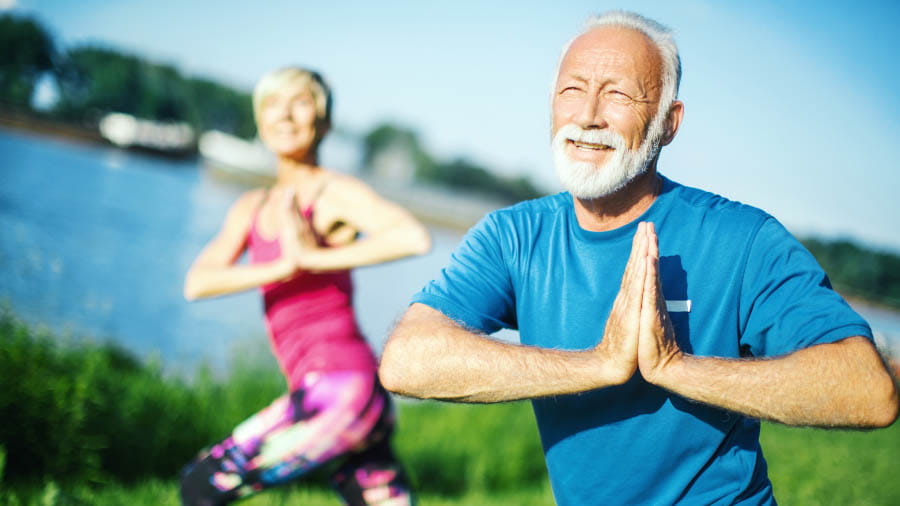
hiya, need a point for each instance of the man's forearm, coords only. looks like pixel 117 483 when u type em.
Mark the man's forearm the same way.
pixel 842 384
pixel 429 356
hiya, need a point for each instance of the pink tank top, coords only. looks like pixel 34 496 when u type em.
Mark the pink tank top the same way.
pixel 310 318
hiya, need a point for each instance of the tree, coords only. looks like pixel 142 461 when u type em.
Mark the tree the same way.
pixel 213 106
pixel 26 52
pixel 95 80
pixel 859 271
pixel 458 173
pixel 386 136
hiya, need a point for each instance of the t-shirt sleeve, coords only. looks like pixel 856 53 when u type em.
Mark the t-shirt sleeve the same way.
pixel 475 288
pixel 787 302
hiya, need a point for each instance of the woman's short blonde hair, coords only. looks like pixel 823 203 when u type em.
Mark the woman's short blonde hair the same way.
pixel 296 77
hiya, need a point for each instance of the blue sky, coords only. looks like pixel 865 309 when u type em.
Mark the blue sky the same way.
pixel 792 108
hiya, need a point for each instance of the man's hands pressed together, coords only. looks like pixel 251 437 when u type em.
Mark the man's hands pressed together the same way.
pixel 619 347
pixel 657 348
pixel 639 334
pixel 639 337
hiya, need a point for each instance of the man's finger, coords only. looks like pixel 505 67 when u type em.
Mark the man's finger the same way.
pixel 638 250
pixel 627 305
pixel 650 281
pixel 637 272
pixel 655 278
pixel 653 241
pixel 652 284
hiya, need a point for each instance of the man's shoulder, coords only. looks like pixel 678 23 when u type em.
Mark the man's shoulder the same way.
pixel 527 209
pixel 524 219
pixel 713 205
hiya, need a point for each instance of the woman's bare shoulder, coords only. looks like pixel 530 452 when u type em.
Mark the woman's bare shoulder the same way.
pixel 252 198
pixel 247 204
pixel 344 186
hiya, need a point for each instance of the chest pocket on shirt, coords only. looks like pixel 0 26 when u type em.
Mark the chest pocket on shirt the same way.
pixel 675 290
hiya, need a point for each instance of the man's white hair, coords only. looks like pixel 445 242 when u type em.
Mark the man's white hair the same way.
pixel 661 36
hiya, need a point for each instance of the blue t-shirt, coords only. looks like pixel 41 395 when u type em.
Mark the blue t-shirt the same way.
pixel 736 284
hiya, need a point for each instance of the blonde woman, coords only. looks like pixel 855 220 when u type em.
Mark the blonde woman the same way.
pixel 303 236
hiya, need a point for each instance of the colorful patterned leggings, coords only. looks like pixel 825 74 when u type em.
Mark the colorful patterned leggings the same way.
pixel 339 419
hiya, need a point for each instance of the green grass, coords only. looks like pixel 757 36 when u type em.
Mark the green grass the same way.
pixel 822 467
pixel 94 424
pixel 83 423
pixel 165 493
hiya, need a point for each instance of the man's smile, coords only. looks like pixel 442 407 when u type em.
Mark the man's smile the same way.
pixel 587 146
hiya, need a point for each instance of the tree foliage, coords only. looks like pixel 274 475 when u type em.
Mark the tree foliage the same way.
pixel 859 271
pixel 26 53
pixel 458 173
pixel 92 81
pixel 386 136
pixel 95 80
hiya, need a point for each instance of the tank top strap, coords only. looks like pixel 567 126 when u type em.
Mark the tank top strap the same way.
pixel 308 210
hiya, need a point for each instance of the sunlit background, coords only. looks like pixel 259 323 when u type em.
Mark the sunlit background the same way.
pixel 790 106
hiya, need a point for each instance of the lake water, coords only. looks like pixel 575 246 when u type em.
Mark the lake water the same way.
pixel 96 241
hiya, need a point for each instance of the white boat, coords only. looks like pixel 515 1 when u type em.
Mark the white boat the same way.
pixel 234 156
pixel 127 131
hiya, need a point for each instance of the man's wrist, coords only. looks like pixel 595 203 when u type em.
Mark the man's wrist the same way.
pixel 667 375
pixel 610 370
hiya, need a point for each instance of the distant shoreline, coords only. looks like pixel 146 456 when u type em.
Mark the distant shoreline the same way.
pixel 433 206
pixel 465 211
pixel 31 122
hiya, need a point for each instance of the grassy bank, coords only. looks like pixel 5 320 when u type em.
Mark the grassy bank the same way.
pixel 88 424
pixel 823 467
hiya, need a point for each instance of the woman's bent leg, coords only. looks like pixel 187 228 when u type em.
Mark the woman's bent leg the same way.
pixel 373 477
pixel 329 416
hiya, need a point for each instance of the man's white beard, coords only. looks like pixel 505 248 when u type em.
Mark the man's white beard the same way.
pixel 586 180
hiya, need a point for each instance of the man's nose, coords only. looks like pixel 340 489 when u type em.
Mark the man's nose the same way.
pixel 591 113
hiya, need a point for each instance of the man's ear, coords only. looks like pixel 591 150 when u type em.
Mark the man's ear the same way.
pixel 673 121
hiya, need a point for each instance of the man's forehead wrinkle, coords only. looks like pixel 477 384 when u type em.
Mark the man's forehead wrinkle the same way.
pixel 607 65
pixel 597 61
pixel 600 56
pixel 616 54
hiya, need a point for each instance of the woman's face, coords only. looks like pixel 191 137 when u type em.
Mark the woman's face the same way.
pixel 287 121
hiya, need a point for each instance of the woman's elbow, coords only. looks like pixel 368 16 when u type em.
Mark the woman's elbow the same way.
pixel 190 290
pixel 419 240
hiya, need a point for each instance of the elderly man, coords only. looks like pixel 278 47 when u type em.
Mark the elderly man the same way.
pixel 658 322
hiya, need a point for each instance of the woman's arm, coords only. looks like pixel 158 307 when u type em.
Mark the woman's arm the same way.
pixel 214 272
pixel 388 232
